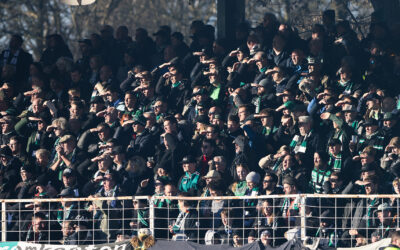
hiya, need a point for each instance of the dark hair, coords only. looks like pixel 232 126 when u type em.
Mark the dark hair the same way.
pixel 214 127
pixel 243 165
pixel 197 24
pixel 131 93
pixel 178 36
pixel 76 68
pixel 99 58
pixel 233 118
pixel 324 156
pixel 269 201
pixel 39 215
pixel 283 70
pixel 329 14
pixel 112 88
pixel 103 125
pixel 210 141
pixel 373 178
pixel 38 66
pixel 79 104
pixel 18 38
pixel 317 28
pixel 142 30
pixel 215 185
pixel 273 176
pixel 123 28
pixel 171 119
pixel 249 107
pixel 338 174
pixel 187 203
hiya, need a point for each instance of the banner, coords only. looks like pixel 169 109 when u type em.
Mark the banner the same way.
pixel 172 245
pixel 374 246
pixel 124 245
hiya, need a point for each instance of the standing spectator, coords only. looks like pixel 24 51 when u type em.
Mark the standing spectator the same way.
pixel 17 57
pixel 187 222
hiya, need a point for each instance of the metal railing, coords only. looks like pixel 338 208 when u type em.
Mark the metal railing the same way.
pixel 334 220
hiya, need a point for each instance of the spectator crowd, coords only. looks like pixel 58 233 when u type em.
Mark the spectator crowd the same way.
pixel 265 113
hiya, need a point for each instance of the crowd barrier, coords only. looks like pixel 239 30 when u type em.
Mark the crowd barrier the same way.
pixel 218 220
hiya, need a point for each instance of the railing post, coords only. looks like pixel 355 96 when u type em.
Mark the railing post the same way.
pixel 3 221
pixel 151 210
pixel 303 217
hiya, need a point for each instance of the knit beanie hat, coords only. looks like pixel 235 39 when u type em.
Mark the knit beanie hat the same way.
pixel 253 177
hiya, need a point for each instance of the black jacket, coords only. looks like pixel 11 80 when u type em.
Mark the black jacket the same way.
pixel 176 96
pixel 142 145
pixel 191 224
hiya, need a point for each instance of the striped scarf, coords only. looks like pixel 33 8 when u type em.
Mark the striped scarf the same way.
pixel 6 56
pixel 377 139
pixel 335 162
pixel 299 147
pixel 318 178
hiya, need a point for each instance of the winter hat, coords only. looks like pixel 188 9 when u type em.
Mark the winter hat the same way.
pixel 253 177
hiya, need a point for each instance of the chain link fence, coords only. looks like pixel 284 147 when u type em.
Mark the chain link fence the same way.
pixel 333 220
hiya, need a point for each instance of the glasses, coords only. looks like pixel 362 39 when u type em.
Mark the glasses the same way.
pixel 211 113
pixel 334 180
pixel 267 181
pixel 158 106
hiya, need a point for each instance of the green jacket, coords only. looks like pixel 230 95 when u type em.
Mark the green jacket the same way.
pixel 189 182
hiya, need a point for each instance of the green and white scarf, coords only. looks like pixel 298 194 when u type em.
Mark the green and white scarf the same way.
pixel 299 148
pixel 335 162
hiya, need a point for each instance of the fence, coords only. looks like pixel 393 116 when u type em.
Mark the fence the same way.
pixel 347 220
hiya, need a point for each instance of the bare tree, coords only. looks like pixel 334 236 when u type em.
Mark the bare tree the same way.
pixel 39 18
